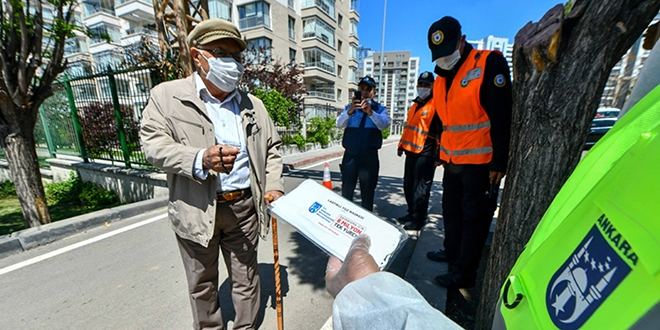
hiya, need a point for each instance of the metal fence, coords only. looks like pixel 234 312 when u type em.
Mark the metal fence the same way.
pixel 97 116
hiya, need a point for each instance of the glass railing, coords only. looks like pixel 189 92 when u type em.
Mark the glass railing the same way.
pixel 141 30
pixel 323 95
pixel 254 22
pixel 326 6
pixel 121 2
pixel 320 65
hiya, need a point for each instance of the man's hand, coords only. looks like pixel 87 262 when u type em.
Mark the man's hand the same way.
pixel 496 177
pixel 355 103
pixel 366 107
pixel 399 152
pixel 358 264
pixel 272 195
pixel 220 158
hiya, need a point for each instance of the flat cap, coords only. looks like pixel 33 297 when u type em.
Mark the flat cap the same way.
pixel 215 29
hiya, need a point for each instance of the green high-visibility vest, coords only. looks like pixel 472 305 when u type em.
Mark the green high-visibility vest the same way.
pixel 593 262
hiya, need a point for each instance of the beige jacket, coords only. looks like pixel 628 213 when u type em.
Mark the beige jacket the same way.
pixel 175 126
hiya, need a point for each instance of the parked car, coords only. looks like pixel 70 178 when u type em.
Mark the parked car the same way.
pixel 607 113
pixel 599 126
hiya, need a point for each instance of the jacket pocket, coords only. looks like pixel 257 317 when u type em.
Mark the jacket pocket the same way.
pixel 189 132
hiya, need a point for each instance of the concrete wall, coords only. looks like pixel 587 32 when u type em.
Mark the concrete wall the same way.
pixel 131 185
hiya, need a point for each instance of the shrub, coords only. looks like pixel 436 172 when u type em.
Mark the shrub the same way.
pixel 386 133
pixel 7 189
pixel 279 108
pixel 99 125
pixel 319 130
pixel 299 140
pixel 77 192
pixel 287 139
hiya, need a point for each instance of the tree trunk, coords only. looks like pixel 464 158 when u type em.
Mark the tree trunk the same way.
pixel 560 65
pixel 19 147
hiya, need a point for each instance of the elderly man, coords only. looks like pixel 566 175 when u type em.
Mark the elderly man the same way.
pixel 219 149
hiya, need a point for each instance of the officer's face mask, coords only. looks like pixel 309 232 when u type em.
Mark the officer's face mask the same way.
pixel 423 92
pixel 224 72
pixel 448 62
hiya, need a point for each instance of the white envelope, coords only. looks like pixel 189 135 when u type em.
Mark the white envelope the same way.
pixel 332 222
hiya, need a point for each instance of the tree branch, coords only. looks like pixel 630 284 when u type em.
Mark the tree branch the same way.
pixel 35 43
pixel 22 83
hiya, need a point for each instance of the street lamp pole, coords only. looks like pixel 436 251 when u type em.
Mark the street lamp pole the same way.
pixel 382 50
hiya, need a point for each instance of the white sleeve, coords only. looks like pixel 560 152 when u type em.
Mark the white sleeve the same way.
pixel 342 119
pixel 382 119
pixel 385 301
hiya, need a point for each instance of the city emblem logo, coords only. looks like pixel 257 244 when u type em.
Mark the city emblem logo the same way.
pixel 584 281
pixel 499 80
pixel 464 82
pixel 315 207
pixel 425 75
pixel 437 37
pixel 424 113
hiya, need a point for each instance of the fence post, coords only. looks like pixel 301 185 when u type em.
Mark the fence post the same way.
pixel 49 139
pixel 120 120
pixel 75 119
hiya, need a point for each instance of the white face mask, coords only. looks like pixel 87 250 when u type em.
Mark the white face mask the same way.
pixel 423 92
pixel 448 62
pixel 224 72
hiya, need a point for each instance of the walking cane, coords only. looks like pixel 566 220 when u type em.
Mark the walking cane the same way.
pixel 276 266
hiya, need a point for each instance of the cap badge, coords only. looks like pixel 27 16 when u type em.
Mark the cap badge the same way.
pixel 437 37
pixel 425 75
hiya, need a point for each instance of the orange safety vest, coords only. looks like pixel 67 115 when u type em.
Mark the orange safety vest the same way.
pixel 417 128
pixel 465 124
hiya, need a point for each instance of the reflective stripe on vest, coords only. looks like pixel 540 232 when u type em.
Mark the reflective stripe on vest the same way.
pixel 466 126
pixel 417 128
pixel 463 128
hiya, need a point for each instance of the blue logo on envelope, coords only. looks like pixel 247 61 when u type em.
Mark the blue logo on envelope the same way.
pixel 584 281
pixel 315 207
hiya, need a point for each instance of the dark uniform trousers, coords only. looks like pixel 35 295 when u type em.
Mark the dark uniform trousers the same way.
pixel 417 182
pixel 467 212
pixel 236 233
pixel 364 167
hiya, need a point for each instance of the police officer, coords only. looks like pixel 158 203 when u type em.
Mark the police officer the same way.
pixel 419 141
pixel 363 120
pixel 472 95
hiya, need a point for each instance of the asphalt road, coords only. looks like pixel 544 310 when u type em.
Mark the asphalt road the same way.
pixel 129 274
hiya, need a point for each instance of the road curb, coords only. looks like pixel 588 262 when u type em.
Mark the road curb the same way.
pixel 32 237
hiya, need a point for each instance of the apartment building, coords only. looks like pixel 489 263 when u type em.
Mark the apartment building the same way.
pixel 398 82
pixel 496 43
pixel 322 35
pixel 625 72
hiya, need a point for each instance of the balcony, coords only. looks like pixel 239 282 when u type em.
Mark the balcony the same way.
pixel 135 35
pixel 321 95
pixel 254 22
pixel 135 10
pixel 321 66
pixel 326 6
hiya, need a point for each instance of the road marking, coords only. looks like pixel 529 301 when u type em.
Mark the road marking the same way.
pixel 78 245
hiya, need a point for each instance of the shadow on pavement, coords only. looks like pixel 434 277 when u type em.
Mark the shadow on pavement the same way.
pixel 267 278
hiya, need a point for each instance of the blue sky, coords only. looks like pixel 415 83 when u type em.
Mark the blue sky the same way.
pixel 408 21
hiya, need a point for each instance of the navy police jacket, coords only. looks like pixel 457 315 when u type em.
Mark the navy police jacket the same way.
pixel 362 133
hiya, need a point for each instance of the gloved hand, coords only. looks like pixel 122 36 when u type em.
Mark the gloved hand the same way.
pixel 358 264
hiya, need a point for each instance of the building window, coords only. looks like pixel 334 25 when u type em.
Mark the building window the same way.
pixel 338 94
pixel 292 4
pixel 354 28
pixel 258 49
pixel 340 20
pixel 353 74
pixel 316 58
pixel 107 58
pixel 355 5
pixel 354 53
pixel 339 46
pixel 254 15
pixel 101 32
pixel 292 28
pixel 326 6
pixel 292 55
pixel 316 28
pixel 339 69
pixel 220 9
pixel 75 46
pixel 92 7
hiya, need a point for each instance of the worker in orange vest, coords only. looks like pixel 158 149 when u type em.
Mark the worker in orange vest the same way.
pixel 472 95
pixel 419 141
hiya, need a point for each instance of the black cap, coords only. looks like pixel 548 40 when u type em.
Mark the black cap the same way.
pixel 426 77
pixel 367 80
pixel 443 36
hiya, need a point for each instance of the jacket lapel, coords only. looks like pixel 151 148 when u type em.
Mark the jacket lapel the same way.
pixel 187 94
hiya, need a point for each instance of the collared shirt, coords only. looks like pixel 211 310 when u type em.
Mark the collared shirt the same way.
pixel 226 118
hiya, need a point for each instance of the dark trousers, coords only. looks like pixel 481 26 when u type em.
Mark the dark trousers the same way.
pixel 467 212
pixel 364 167
pixel 417 181
pixel 236 235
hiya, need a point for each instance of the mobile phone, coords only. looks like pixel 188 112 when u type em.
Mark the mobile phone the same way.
pixel 357 95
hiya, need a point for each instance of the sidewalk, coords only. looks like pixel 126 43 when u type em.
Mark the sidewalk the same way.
pixel 420 271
